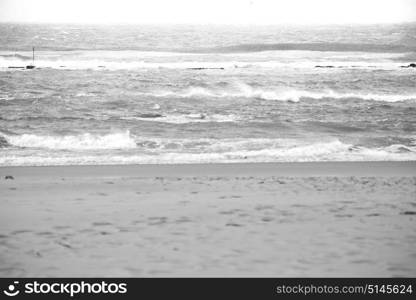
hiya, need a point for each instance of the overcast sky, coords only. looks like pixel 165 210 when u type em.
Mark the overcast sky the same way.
pixel 209 11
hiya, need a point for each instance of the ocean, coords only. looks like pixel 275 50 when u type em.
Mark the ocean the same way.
pixel 138 94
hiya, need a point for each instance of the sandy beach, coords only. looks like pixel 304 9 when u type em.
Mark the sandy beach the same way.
pixel 282 219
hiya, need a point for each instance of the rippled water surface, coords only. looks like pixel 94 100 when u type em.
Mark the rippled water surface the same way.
pixel 148 94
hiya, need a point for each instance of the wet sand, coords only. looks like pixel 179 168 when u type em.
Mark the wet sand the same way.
pixel 282 219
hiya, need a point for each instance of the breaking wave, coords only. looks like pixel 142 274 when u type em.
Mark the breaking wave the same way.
pixel 292 95
pixel 169 151
pixel 86 141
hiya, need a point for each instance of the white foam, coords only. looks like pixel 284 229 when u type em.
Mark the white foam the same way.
pixel 244 91
pixel 211 151
pixel 86 141
pixel 120 60
pixel 339 95
pixel 6 98
pixel 103 64
pixel 241 90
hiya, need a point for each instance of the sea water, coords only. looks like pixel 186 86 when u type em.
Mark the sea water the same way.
pixel 127 94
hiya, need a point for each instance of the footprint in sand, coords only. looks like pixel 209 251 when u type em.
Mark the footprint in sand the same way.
pixel 157 220
pixel 64 245
pixel 264 207
pixel 101 223
pixel 408 213
pixel 61 227
pixel 230 212
pixel 344 215
pixel 233 224
pixel 45 233
pixel 34 253
pixel 17 232
pixel 373 215
pixel 183 220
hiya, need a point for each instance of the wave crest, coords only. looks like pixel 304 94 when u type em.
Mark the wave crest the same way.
pixel 86 141
pixel 171 151
pixel 242 90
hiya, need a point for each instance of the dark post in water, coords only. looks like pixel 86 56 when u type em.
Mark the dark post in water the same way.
pixel 32 66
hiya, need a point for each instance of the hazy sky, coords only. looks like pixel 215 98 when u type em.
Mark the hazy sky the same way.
pixel 209 11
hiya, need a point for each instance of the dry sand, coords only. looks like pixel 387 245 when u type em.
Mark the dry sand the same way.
pixel 288 219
